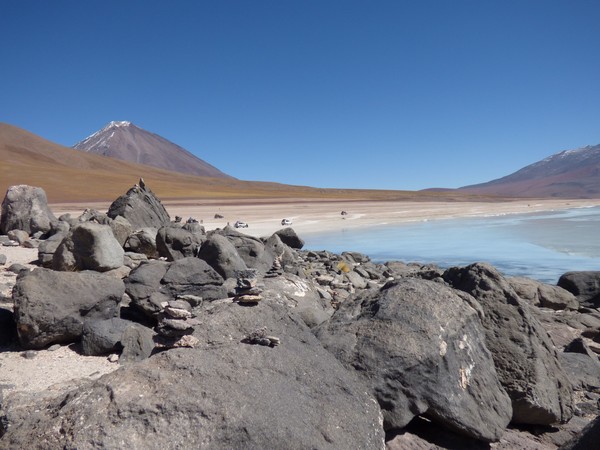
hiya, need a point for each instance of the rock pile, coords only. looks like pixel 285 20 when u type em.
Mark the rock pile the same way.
pixel 345 353
pixel 247 290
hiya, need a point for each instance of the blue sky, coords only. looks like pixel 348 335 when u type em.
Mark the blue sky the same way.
pixel 353 94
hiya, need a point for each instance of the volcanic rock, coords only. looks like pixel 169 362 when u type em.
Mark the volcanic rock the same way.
pixel 26 208
pixel 140 207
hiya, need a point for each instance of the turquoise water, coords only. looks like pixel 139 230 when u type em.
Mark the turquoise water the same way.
pixel 542 246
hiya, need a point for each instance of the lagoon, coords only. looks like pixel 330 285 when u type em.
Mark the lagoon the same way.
pixel 541 245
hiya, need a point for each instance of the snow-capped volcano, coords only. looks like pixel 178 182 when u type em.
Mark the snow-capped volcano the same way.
pixel 126 141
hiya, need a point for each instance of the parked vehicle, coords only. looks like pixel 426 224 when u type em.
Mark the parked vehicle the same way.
pixel 286 222
pixel 240 224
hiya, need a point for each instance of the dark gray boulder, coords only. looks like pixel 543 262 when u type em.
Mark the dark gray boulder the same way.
pixel 8 331
pixel 140 207
pixel 287 256
pixel 26 208
pixel 289 237
pixel 48 247
pixel 174 242
pixel 154 282
pixel 143 241
pixel 588 439
pixel 225 394
pixel 89 246
pixel 585 286
pixel 221 255
pixel 19 236
pixel 523 352
pixel 51 307
pixel 121 228
pixel 300 295
pixel 251 249
pixel 137 342
pixel 583 371
pixel 101 337
pixel 544 295
pixel 421 349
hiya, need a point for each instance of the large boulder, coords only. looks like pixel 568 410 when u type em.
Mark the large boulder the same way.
pixel 585 286
pixel 251 249
pixel 289 237
pixel 26 208
pixel 51 307
pixel 89 246
pixel 154 282
pixel 121 228
pixel 587 439
pixel 221 255
pixel 524 355
pixel 174 242
pixel 143 241
pixel 421 349
pixel 224 394
pixel 140 207
pixel 544 295
pixel 48 247
pixel 101 337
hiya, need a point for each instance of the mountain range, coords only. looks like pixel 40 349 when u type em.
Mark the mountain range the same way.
pixel 128 142
pixel 568 174
pixel 69 174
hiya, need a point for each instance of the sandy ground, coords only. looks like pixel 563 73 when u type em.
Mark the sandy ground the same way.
pixel 264 217
pixel 50 371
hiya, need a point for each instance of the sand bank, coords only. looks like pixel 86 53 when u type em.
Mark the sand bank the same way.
pixel 308 216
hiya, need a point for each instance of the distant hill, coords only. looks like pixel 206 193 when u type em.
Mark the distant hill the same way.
pixel 128 142
pixel 568 174
pixel 69 175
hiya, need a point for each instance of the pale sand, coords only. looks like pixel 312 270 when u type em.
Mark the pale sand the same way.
pixel 309 216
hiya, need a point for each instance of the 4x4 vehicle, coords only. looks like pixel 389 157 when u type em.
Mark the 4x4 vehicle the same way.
pixel 240 224
pixel 286 222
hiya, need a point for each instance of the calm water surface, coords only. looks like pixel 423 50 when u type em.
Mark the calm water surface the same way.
pixel 542 246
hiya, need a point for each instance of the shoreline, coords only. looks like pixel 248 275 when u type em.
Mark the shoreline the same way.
pixel 313 217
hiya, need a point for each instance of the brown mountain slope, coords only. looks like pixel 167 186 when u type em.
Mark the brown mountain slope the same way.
pixel 568 174
pixel 69 175
pixel 128 142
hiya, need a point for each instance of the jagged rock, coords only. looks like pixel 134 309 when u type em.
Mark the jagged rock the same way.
pixel 421 349
pixel 289 237
pixel 583 370
pixel 250 249
pixel 143 241
pixel 51 307
pixel 26 208
pixel 93 215
pixel 133 260
pixel 88 246
pixel 222 395
pixel 585 286
pixel 174 242
pixel 524 354
pixel 141 208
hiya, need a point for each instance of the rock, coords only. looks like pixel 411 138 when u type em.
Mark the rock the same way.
pixel 143 241
pixel 420 348
pixel 121 228
pixel 174 242
pixel 289 237
pixel 2 259
pixel 155 282
pixel 524 354
pixel 301 296
pixel 19 236
pixel 8 330
pixel 102 337
pixel 222 395
pixel 133 260
pixel 31 243
pixel 93 215
pixel 544 295
pixel 26 208
pixel 585 286
pixel 89 246
pixel 141 208
pixel 48 247
pixel 137 342
pixel 250 249
pixel 221 255
pixel 50 307
pixel 587 439
pixel 583 371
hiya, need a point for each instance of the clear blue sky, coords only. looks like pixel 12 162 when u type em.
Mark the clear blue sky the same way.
pixel 355 94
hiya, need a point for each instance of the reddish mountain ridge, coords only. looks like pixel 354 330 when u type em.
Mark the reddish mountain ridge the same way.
pixel 568 174
pixel 128 142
